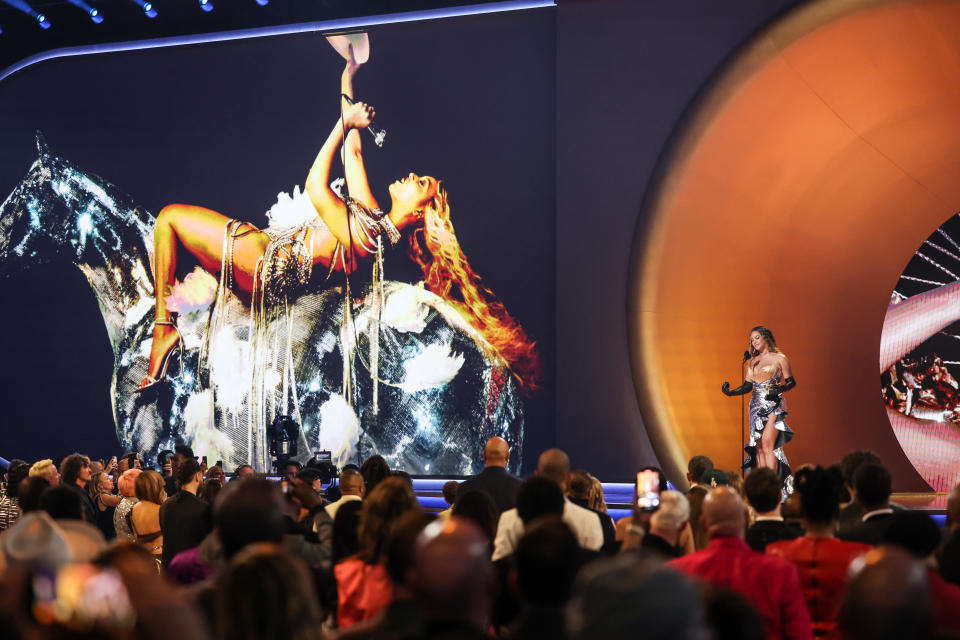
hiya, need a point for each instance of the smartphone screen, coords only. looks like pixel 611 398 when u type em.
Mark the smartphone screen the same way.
pixel 648 490
pixel 324 456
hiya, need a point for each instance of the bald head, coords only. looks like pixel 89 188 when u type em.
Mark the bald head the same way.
pixel 351 483
pixel 724 513
pixel 452 573
pixel 554 465
pixel 496 452
pixel 953 509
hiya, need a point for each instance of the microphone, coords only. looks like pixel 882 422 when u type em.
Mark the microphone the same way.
pixel 378 135
pixel 746 355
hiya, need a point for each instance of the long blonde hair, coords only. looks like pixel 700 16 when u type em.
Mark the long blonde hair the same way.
pixel 448 274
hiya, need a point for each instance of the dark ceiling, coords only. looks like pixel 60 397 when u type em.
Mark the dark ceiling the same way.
pixel 125 20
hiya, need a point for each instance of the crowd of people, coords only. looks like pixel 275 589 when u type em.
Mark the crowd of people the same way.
pixel 109 549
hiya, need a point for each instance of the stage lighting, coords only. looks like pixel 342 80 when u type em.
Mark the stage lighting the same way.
pixel 42 21
pixel 147 7
pixel 206 5
pixel 263 3
pixel 30 11
pixel 93 12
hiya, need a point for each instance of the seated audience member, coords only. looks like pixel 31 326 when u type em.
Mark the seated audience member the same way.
pixel 851 513
pixel 821 560
pixel 553 465
pixel 730 616
pixel 629 597
pixel 667 524
pixel 10 510
pixel 105 502
pixel 478 507
pixel 266 593
pixel 184 518
pixel 949 555
pixel 46 470
pixel 244 471
pixel 579 492
pixel 128 498
pixel 145 515
pixel 888 598
pixel 374 470
pixel 403 617
pixel 210 489
pixel 30 492
pixel 495 480
pixel 917 533
pixel 770 584
pixel 75 473
pixel 450 497
pixel 452 580
pixel 696 467
pixel 871 490
pixel 762 488
pixel 546 563
pixel 363 586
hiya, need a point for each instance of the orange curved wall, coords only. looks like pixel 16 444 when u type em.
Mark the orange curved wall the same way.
pixel 810 172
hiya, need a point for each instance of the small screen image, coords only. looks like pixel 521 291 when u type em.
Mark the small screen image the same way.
pixel 648 490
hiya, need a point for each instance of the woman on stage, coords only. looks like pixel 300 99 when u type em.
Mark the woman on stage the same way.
pixel 767 376
pixel 263 267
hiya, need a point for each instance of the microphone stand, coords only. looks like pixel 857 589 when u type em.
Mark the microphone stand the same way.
pixel 743 420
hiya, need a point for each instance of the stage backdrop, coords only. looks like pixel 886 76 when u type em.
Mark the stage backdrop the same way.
pixel 228 125
pixel 793 195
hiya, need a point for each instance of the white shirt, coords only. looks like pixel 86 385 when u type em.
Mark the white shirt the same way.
pixel 877 512
pixel 584 523
pixel 332 508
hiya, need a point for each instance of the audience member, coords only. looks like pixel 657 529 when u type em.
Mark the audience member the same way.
pixel 62 503
pixel 629 597
pixel 46 470
pixel 851 513
pixel 30 492
pixel 449 491
pixel 181 453
pixel 479 508
pixel 216 473
pixel 769 583
pixel 949 555
pixel 452 580
pixel 10 510
pixel 871 490
pixel 100 489
pixel 888 598
pixel 730 616
pixel 554 465
pixel 244 471
pixel 184 518
pixel 210 489
pixel 374 470
pixel 145 514
pixel 792 511
pixel 128 498
pixel 290 470
pixel 917 533
pixel 495 480
pixel 597 500
pixel 822 560
pixel 579 491
pixel 762 488
pixel 266 593
pixel 344 541
pixel 736 482
pixel 696 467
pixel 667 523
pixel 352 489
pixel 75 474
pixel 363 587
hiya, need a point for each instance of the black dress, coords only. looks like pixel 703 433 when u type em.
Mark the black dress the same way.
pixel 104 518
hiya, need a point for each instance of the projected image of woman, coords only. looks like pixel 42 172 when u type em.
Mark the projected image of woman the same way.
pixel 767 377
pixel 338 234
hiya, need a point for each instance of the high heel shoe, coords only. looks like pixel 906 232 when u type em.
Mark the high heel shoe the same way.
pixel 165 362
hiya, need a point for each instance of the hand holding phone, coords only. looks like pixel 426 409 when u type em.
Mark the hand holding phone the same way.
pixel 648 490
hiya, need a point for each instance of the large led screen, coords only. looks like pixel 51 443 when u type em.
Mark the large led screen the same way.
pixel 191 252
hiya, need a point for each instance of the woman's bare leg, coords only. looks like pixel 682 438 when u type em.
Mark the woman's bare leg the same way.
pixel 200 232
pixel 767 441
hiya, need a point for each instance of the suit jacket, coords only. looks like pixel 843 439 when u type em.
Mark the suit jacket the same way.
pixel 871 531
pixel 497 483
pixel 584 523
pixel 185 522
pixel 763 532
pixel 852 515
pixel 770 584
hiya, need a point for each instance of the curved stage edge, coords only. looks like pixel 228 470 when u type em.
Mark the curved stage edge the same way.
pixel 795 191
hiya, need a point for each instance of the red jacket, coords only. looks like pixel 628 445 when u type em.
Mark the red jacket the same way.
pixel 770 584
pixel 822 564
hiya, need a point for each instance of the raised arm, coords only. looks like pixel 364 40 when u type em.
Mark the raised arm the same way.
pixel 912 321
pixel 356 174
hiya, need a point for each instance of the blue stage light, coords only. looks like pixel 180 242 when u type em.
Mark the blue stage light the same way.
pixel 263 3
pixel 30 11
pixel 206 5
pixel 93 12
pixel 42 21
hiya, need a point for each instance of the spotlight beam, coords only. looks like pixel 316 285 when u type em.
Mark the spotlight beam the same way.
pixel 93 12
pixel 147 7
pixel 21 5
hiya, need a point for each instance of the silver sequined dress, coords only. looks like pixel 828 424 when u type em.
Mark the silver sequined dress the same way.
pixel 759 413
pixel 120 519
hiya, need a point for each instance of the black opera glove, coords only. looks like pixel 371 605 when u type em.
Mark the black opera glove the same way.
pixel 743 389
pixel 776 390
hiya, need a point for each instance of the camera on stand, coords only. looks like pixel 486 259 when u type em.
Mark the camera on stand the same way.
pixel 282 436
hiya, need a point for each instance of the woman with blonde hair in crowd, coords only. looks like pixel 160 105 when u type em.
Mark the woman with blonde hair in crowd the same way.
pixel 128 498
pixel 47 470
pixel 145 515
pixel 105 502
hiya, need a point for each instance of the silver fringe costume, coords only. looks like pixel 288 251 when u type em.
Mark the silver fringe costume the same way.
pixel 760 411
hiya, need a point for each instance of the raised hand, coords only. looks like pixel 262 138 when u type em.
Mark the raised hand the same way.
pixel 358 115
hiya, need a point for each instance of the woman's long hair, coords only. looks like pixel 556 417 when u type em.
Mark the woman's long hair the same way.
pixel 767 336
pixel 448 274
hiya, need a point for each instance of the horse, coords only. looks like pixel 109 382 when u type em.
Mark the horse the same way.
pixel 400 374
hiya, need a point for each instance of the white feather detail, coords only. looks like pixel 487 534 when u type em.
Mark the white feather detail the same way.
pixel 292 210
pixel 195 292
pixel 200 432
pixel 339 429
pixel 433 367
pixel 404 311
